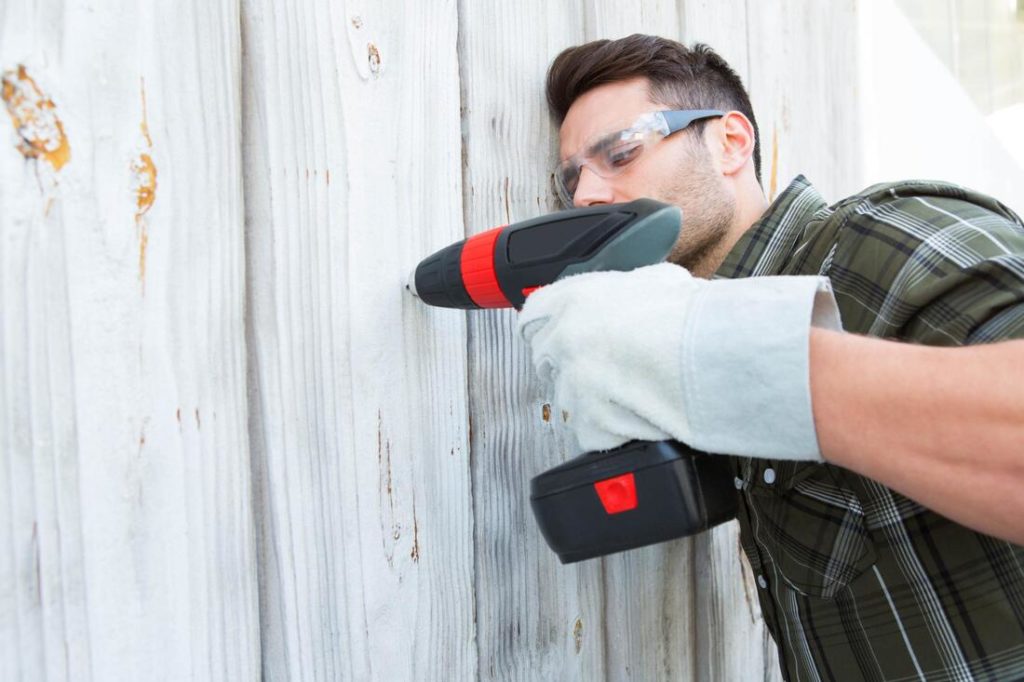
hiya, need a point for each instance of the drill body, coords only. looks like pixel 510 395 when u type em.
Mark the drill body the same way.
pixel 500 267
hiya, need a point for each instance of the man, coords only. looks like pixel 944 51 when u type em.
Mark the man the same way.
pixel 857 581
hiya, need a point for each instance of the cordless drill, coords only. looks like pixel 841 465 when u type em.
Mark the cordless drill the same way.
pixel 599 502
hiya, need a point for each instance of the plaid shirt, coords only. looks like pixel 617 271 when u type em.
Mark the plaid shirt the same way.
pixel 855 580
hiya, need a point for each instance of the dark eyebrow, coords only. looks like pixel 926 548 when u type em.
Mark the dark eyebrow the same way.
pixel 607 141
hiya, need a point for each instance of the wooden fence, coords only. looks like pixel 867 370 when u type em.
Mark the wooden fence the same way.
pixel 232 444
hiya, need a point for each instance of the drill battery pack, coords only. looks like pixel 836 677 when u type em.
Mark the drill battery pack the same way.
pixel 638 494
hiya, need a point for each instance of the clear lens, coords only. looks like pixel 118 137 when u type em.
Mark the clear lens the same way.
pixel 567 176
pixel 609 155
pixel 617 157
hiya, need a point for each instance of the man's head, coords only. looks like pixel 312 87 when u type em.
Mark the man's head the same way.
pixel 710 168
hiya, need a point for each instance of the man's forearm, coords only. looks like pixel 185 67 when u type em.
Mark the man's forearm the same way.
pixel 943 426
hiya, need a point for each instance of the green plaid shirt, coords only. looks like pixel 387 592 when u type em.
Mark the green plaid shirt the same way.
pixel 855 580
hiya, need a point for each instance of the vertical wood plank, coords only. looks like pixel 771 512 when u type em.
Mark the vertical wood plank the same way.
pixel 624 617
pixel 723 25
pixel 803 74
pixel 359 421
pixel 731 641
pixel 649 611
pixel 790 55
pixel 385 550
pixel 535 618
pixel 609 19
pixel 127 535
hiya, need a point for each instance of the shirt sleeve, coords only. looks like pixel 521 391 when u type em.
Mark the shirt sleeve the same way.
pixel 933 269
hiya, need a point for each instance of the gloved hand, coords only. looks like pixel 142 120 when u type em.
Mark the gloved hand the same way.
pixel 655 353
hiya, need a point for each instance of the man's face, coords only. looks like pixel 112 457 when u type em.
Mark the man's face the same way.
pixel 678 170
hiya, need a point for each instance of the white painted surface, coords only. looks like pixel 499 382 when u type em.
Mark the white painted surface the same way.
pixel 624 617
pixel 126 540
pixel 357 391
pixel 361 458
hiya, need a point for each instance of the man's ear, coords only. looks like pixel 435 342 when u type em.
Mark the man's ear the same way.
pixel 736 137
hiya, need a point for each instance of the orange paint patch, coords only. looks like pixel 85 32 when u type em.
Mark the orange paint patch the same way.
pixel 143 242
pixel 773 182
pixel 144 183
pixel 34 116
pixel 144 176
pixel 145 121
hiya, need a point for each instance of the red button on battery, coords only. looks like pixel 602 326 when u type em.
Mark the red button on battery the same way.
pixel 617 494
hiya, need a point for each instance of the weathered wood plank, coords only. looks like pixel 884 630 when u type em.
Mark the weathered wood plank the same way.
pixel 649 609
pixel 625 617
pixel 790 55
pixel 610 19
pixel 535 618
pixel 731 640
pixel 803 71
pixel 359 421
pixel 385 549
pixel 128 549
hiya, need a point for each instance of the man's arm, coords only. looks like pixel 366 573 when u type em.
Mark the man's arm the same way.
pixel 734 366
pixel 943 426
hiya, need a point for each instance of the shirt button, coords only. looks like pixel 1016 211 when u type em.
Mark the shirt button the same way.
pixel 769 475
pixel 738 482
pixel 761 582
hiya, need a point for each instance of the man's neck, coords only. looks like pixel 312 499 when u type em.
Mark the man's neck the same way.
pixel 748 211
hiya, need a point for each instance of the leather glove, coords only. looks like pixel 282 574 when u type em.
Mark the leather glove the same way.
pixel 654 353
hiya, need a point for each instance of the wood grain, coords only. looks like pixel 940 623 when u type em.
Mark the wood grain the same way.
pixel 358 420
pixel 535 618
pixel 791 57
pixel 128 547
pixel 232 446
pixel 803 84
pixel 625 617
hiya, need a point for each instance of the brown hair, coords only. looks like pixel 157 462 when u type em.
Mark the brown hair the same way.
pixel 680 77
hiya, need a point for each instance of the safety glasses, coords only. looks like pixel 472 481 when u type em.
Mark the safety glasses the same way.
pixel 609 155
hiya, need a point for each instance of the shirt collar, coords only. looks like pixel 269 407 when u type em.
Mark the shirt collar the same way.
pixel 768 244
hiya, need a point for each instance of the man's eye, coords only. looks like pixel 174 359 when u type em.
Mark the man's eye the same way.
pixel 623 154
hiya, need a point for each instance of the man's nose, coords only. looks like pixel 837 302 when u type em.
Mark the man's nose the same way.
pixel 592 189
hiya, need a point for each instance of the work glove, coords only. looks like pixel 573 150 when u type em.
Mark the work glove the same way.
pixel 656 354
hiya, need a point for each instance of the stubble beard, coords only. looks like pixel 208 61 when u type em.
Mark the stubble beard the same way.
pixel 708 214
